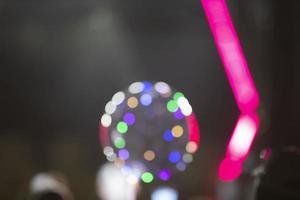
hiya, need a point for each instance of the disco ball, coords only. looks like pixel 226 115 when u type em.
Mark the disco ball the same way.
pixel 149 130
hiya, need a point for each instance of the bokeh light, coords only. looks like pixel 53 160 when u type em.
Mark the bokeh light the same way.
pixel 149 129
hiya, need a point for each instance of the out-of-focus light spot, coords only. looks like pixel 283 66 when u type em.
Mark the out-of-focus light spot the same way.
pixel 149 155
pixel 229 169
pixel 119 143
pixel 110 107
pixel 146 99
pixel 177 131
pixel 119 162
pixel 164 193
pixel 177 95
pixel 122 127
pixel 168 136
pixel 106 120
pixel 193 127
pixel 164 174
pixel 136 87
pixel 118 98
pixel 242 138
pixel 112 157
pixel 132 179
pixel 132 102
pixel 129 118
pixel 174 156
pixel 162 88
pixel 172 106
pixel 147 177
pixel 191 147
pixel 187 158
pixel 123 154
pixel 181 166
pixel 108 150
pixel 178 114
pixel 184 105
pixel 147 86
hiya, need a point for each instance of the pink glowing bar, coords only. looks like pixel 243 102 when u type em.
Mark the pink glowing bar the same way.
pixel 242 85
pixel 231 54
pixel 242 137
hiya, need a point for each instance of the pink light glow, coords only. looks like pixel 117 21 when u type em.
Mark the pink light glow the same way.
pixel 231 54
pixel 230 169
pixel 242 137
pixel 193 128
pixel 240 79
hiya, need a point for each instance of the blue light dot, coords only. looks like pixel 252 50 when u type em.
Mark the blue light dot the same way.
pixel 174 156
pixel 168 136
pixel 147 86
pixel 146 99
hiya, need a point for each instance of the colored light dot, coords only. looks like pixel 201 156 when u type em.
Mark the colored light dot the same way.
pixel 168 136
pixel 119 162
pixel 172 106
pixel 136 87
pixel 164 174
pixel 120 143
pixel 122 127
pixel 147 86
pixel 177 131
pixel 181 166
pixel 146 99
pixel 147 177
pixel 132 102
pixel 149 155
pixel 187 158
pixel 123 154
pixel 129 118
pixel 177 95
pixel 106 120
pixel 174 156
pixel 118 98
pixel 178 114
pixel 191 147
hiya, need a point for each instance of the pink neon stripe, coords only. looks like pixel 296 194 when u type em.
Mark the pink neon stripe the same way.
pixel 240 79
pixel 231 54
pixel 242 137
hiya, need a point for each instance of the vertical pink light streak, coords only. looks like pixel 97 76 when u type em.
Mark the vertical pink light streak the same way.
pixel 242 85
pixel 231 54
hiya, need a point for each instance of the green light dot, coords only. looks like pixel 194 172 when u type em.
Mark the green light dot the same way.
pixel 172 106
pixel 120 143
pixel 147 177
pixel 177 95
pixel 122 127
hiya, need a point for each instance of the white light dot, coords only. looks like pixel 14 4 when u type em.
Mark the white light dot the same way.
pixel 184 105
pixel 111 157
pixel 108 150
pixel 106 120
pixel 118 98
pixel 110 107
pixel 162 87
pixel 136 87
pixel 187 158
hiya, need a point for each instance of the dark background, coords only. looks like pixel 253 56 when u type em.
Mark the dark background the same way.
pixel 61 61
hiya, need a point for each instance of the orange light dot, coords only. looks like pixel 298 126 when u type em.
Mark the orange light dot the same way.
pixel 149 155
pixel 177 131
pixel 191 147
pixel 132 102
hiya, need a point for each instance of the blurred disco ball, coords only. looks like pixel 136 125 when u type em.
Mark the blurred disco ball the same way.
pixel 150 131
